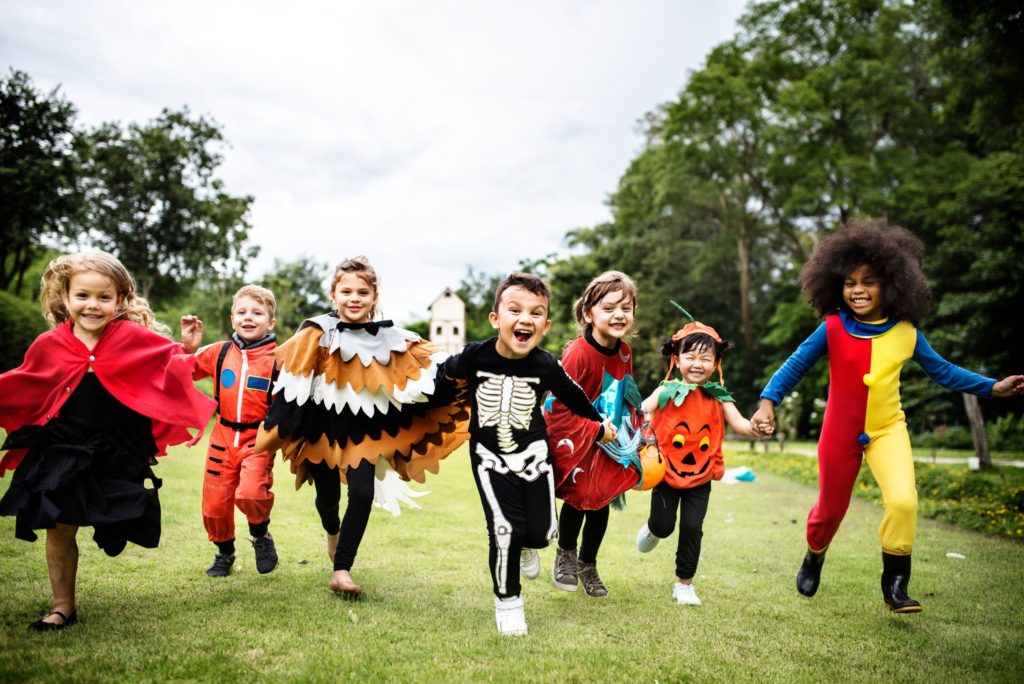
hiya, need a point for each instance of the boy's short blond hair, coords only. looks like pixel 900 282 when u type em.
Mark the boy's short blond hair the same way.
pixel 258 294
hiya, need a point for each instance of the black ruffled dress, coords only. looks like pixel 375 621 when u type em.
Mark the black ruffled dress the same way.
pixel 90 466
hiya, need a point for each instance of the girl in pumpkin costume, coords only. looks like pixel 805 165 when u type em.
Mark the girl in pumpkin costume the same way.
pixel 867 283
pixel 688 419
pixel 355 399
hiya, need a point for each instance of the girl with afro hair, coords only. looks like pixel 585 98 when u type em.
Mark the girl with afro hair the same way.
pixel 866 282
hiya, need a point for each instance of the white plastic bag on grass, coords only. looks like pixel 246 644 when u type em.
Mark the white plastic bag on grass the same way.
pixel 740 474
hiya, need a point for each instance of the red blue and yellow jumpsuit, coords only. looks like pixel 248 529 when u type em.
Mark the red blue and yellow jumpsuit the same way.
pixel 863 416
pixel 236 475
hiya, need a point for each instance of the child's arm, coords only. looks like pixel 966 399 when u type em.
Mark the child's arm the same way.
pixel 650 404
pixel 787 376
pixel 1009 386
pixel 191 333
pixel 797 365
pixel 957 379
pixel 740 425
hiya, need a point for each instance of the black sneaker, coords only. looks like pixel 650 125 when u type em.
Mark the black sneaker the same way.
pixel 266 554
pixel 563 574
pixel 591 581
pixel 221 565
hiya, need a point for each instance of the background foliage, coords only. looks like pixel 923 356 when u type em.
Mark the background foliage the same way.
pixel 813 113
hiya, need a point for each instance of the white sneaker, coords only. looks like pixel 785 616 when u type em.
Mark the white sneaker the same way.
pixel 529 563
pixel 510 615
pixel 685 595
pixel 645 541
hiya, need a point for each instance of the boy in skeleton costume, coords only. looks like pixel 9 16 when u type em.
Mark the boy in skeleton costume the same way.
pixel 507 377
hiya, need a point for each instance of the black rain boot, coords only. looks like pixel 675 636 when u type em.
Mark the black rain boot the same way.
pixel 809 576
pixel 895 579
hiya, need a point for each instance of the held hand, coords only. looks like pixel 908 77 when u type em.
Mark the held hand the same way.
pixel 609 431
pixel 191 333
pixel 763 429
pixel 763 419
pixel 1009 386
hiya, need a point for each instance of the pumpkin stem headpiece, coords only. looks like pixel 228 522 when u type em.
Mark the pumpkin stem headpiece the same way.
pixel 691 328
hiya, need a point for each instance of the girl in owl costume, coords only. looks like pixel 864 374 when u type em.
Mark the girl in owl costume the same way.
pixel 354 399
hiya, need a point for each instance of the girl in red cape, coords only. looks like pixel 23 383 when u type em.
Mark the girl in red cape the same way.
pixel 588 478
pixel 96 399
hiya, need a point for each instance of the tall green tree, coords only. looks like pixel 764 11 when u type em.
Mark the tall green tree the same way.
pixel 300 287
pixel 37 173
pixel 815 112
pixel 476 290
pixel 154 200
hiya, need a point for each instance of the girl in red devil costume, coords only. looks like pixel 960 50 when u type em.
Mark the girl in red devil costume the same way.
pixel 97 397
pixel 688 418
pixel 587 477
pixel 866 282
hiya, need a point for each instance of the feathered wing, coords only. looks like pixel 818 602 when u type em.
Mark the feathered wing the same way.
pixel 348 395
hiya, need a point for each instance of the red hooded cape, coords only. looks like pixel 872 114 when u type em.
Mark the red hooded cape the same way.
pixel 146 372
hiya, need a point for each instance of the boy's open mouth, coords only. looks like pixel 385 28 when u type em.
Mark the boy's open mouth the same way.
pixel 522 335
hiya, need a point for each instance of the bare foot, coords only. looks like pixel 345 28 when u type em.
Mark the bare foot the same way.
pixel 342 584
pixel 332 545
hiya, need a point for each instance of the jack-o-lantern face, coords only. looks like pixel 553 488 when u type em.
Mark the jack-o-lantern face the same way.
pixel 691 445
pixel 690 439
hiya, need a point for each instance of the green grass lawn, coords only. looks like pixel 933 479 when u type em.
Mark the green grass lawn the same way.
pixel 153 615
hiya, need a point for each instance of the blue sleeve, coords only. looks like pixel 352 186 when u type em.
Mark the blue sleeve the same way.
pixel 796 366
pixel 949 375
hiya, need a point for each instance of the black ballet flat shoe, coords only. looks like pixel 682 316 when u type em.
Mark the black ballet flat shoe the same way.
pixel 68 621
pixel 895 580
pixel 809 576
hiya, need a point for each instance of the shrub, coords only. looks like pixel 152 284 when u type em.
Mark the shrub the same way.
pixel 944 437
pixel 1006 433
pixel 20 324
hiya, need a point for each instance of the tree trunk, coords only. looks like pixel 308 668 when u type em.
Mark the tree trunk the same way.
pixel 977 431
pixel 744 268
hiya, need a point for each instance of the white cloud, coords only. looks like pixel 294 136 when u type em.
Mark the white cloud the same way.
pixel 426 135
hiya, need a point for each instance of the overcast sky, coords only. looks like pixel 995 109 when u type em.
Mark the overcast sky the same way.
pixel 427 135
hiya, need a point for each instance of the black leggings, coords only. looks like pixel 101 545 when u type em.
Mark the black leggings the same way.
pixel 570 520
pixel 693 506
pixel 327 482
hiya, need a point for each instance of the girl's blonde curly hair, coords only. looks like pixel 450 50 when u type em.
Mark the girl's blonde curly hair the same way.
pixel 57 281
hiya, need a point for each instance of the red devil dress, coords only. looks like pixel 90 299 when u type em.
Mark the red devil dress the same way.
pixel 586 476
pixel 83 443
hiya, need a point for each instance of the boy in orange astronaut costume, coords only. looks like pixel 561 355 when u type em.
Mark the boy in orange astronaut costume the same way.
pixel 243 373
